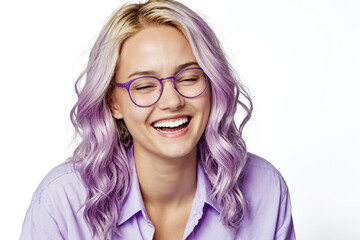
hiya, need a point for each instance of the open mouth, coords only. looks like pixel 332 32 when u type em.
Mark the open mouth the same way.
pixel 174 125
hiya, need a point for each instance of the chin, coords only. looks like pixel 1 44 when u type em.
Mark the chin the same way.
pixel 175 152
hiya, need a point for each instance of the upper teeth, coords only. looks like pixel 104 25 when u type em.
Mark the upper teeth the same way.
pixel 171 123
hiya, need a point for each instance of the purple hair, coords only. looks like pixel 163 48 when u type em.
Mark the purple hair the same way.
pixel 105 141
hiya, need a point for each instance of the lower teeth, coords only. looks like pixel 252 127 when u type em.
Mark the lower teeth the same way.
pixel 169 131
pixel 172 130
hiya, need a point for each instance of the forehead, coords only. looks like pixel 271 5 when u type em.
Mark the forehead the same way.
pixel 155 48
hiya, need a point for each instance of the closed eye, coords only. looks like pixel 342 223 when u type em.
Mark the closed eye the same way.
pixel 187 81
pixel 144 87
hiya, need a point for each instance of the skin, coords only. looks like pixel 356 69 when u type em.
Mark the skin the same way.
pixel 166 167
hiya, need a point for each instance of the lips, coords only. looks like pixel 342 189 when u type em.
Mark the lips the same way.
pixel 172 125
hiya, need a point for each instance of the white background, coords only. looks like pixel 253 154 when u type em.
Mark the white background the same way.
pixel 300 59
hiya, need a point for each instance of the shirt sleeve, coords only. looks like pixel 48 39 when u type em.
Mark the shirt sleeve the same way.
pixel 285 226
pixel 39 223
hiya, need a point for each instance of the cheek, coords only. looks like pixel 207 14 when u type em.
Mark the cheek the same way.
pixel 207 102
pixel 204 107
pixel 135 117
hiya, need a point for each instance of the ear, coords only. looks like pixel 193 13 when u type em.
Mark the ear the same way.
pixel 114 107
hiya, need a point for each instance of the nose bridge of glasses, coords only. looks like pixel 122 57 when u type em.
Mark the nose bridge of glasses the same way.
pixel 167 78
pixel 171 82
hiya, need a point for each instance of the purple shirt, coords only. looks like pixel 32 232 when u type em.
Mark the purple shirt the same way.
pixel 56 210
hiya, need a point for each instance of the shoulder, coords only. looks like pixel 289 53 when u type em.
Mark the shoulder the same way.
pixel 57 207
pixel 268 202
pixel 261 177
pixel 256 162
pixel 60 182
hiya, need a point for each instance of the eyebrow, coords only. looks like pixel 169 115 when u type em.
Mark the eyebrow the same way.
pixel 152 73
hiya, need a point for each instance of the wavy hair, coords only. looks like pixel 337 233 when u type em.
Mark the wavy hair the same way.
pixel 104 141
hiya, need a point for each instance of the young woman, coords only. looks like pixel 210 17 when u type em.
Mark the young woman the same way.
pixel 160 155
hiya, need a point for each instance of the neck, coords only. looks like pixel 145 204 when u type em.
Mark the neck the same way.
pixel 166 182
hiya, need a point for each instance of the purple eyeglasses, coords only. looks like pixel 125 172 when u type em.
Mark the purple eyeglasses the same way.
pixel 145 91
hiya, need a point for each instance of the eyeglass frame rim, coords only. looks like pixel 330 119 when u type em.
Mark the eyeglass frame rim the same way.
pixel 127 84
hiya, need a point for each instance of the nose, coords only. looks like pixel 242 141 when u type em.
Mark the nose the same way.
pixel 170 98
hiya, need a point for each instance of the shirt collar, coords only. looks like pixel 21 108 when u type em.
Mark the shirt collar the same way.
pixel 134 203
